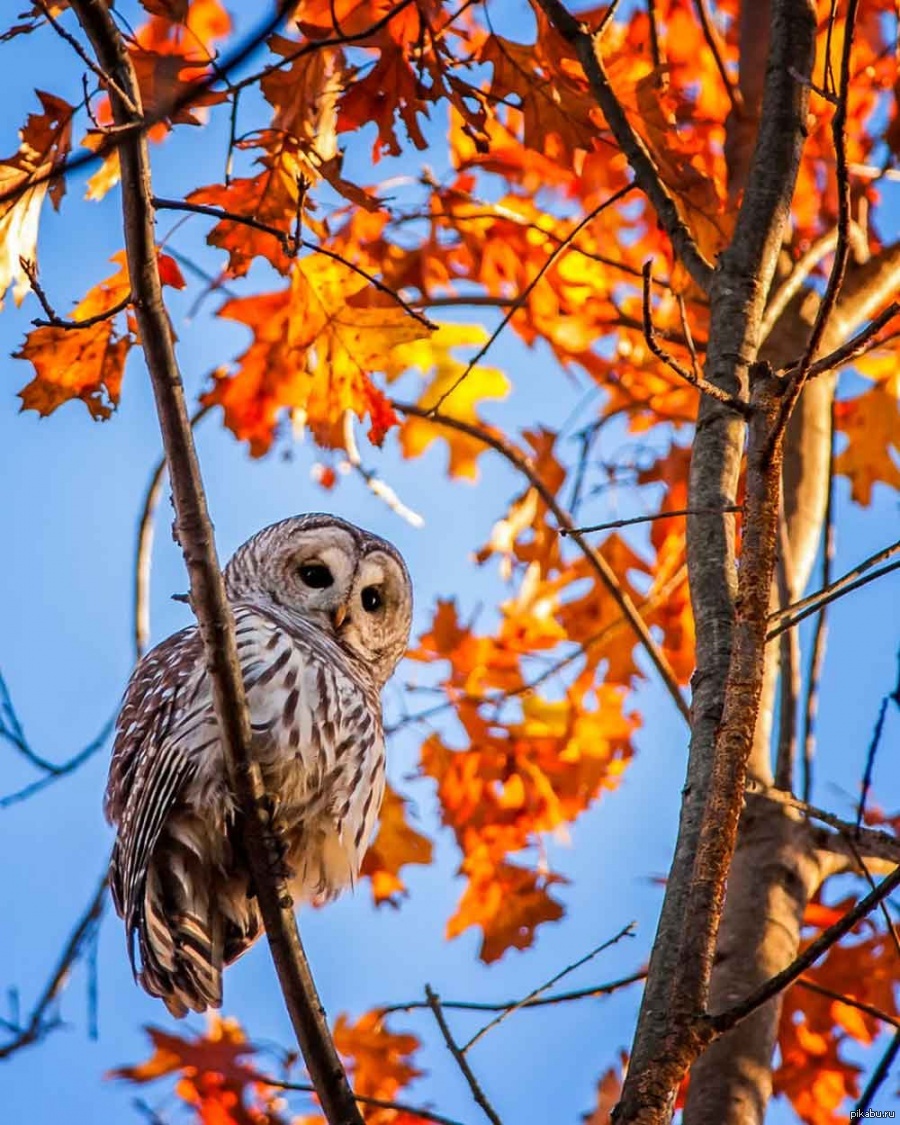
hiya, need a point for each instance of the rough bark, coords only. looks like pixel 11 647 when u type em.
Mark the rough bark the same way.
pixel 730 623
pixel 778 864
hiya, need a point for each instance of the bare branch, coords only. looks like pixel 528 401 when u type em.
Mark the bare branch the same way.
pixel 54 321
pixel 863 341
pixel 599 564
pixel 291 244
pixel 522 297
pixel 612 524
pixel 40 1023
pixel 850 1001
pixel 378 487
pixel 588 49
pixel 879 1077
pixel 789 667
pixel 208 597
pixel 363 1099
pixel 701 384
pixel 862 574
pixel 712 41
pixel 626 931
pixel 874 743
pixel 434 1002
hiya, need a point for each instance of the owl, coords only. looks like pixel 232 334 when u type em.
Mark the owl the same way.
pixel 322 613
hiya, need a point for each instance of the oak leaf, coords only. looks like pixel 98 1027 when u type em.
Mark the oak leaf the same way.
pixel 871 423
pixel 395 845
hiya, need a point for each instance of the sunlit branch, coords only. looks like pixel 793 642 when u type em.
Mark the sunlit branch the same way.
pixel 789 666
pixel 863 341
pixel 434 1003
pixel 842 246
pixel 701 384
pixel 41 1022
pixel 290 244
pixel 143 555
pixel 587 47
pixel 522 297
pixel 106 80
pixel 598 563
pixel 375 484
pixel 862 574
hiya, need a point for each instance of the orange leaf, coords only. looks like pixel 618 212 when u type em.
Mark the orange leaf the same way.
pixel 396 845
pixel 871 423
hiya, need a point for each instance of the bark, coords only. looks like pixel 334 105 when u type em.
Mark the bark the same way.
pixel 779 864
pixel 208 600
pixel 730 622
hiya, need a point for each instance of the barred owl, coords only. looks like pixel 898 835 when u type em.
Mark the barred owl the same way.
pixel 322 615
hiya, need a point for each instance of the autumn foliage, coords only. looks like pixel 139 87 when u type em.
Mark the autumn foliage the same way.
pixel 343 280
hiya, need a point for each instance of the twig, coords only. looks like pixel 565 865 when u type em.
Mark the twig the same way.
pixel 850 1001
pixel 863 341
pixel 522 297
pixel 59 771
pixel 612 524
pixel 817 654
pixel 54 321
pixel 712 41
pixel 791 615
pixel 363 1099
pixel 587 48
pixel 626 931
pixel 106 80
pixel 874 743
pixel 378 487
pixel 598 563
pixel 37 1025
pixel 208 597
pixel 724 1021
pixel 290 243
pixel 789 671
pixel 842 247
pixel 541 1002
pixel 879 1077
pixel 700 383
pixel 143 555
pixel 434 1002
pixel 793 283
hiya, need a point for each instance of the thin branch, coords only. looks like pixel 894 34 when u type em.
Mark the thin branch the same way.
pixel 789 670
pixel 626 931
pixel 378 487
pixel 691 377
pixel 291 244
pixel 724 1021
pixel 879 1077
pixel 874 743
pixel 522 297
pixel 434 1003
pixel 612 524
pixel 863 341
pixel 712 41
pixel 862 574
pixel 588 49
pixel 817 654
pixel 793 283
pixel 54 321
pixel 842 247
pixel 363 1099
pixel 38 1024
pixel 59 771
pixel 208 597
pixel 143 555
pixel 106 80
pixel 598 563
pixel 593 992
pixel 850 1001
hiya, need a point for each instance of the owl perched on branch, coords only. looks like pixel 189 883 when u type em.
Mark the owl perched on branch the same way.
pixel 322 614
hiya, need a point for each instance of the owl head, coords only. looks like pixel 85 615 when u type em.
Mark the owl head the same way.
pixel 352 583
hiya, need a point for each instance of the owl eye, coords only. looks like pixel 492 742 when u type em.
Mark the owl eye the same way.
pixel 371 599
pixel 315 575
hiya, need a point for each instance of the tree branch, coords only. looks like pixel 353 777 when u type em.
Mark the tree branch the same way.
pixel 599 564
pixel 587 47
pixel 434 1003
pixel 208 597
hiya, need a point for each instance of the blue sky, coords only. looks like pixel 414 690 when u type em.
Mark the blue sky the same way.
pixel 68 514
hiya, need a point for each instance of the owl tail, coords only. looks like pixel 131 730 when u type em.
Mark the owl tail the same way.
pixel 181 934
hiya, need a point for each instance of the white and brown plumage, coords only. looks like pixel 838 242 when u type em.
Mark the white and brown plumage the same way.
pixel 322 615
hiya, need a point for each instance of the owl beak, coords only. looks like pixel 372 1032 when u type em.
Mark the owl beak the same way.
pixel 340 616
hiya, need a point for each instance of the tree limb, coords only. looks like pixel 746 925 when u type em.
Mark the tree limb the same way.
pixel 208 597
